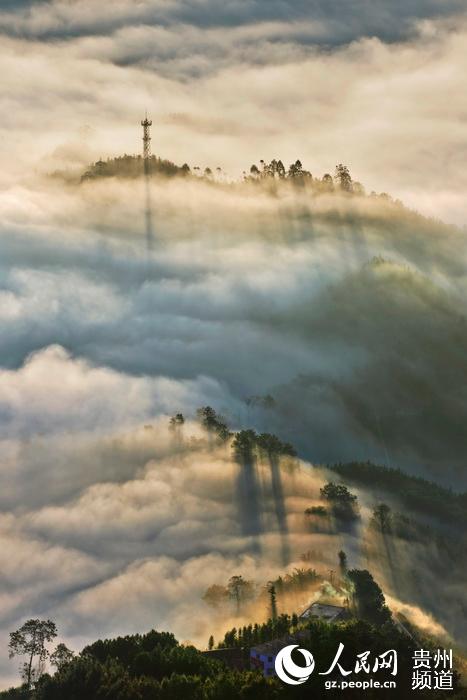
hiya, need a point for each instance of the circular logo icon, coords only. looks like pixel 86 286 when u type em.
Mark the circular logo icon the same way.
pixel 288 671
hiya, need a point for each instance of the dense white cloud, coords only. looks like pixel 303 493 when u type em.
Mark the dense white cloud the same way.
pixel 206 320
pixel 333 24
pixel 393 112
pixel 148 544
pixel 53 393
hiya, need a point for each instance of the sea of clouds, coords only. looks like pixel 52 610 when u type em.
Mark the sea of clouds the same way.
pixel 348 312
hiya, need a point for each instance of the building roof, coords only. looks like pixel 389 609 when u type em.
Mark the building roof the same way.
pixel 323 612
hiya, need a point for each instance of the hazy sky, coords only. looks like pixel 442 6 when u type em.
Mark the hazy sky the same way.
pixel 378 85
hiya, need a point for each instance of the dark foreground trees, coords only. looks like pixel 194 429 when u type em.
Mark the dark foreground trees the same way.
pixel 148 667
pixel 30 641
pixel 343 504
pixel 369 599
pixel 155 667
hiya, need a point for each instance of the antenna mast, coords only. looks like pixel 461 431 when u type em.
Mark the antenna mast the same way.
pixel 146 124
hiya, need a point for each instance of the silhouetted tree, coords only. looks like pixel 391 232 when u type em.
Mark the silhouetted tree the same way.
pixel 369 598
pixel 30 640
pixel 271 445
pixel 295 169
pixel 417 493
pixel 272 600
pixel 320 511
pixel 382 518
pixel 216 595
pixel 213 423
pixel 127 166
pixel 61 656
pixel 328 184
pixel 240 590
pixel 343 178
pixel 176 421
pixel 358 189
pixel 344 503
pixel 280 169
pixel 244 444
pixel 342 562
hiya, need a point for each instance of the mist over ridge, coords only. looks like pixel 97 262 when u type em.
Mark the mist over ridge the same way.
pixel 230 356
pixel 361 345
pixel 333 321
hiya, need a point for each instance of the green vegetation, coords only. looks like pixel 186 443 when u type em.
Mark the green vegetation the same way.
pixel 296 174
pixel 357 636
pixel 265 175
pixel 337 493
pixel 249 635
pixel 216 595
pixel 272 600
pixel 30 641
pixel 368 597
pixel 154 666
pixel 176 422
pixel 127 166
pixel 240 591
pixel 320 511
pixel 343 503
pixel 342 562
pixel 415 492
pixel 245 444
pixel 382 518
pixel 267 445
pixel 127 649
pixel 214 424
pixel 297 581
pixel 450 549
pixel 271 445
pixel 61 656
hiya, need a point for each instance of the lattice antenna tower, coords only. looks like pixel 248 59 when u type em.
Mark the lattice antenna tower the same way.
pixel 146 124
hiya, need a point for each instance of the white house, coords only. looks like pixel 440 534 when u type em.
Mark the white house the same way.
pixel 328 613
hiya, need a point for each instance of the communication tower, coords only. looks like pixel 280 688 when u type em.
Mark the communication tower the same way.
pixel 146 124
